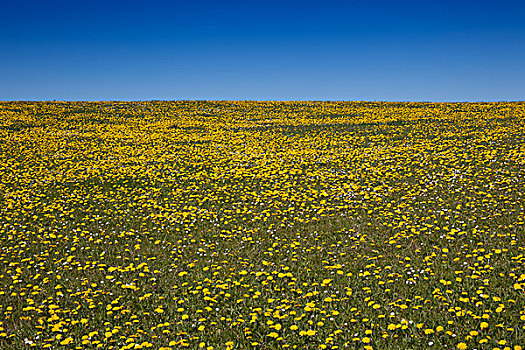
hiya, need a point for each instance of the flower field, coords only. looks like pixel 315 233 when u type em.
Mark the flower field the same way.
pixel 262 225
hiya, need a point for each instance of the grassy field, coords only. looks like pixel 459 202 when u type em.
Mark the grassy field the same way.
pixel 264 225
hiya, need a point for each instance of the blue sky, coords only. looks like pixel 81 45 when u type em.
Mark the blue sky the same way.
pixel 262 50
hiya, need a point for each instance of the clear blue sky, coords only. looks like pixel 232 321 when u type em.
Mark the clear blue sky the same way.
pixel 263 50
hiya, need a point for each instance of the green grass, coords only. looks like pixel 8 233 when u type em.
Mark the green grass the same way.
pixel 264 225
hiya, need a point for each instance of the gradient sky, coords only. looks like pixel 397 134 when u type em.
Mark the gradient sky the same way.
pixel 262 50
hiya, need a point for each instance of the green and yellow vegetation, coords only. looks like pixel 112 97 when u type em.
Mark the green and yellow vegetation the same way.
pixel 264 225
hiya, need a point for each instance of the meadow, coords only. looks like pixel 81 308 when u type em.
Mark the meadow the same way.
pixel 262 225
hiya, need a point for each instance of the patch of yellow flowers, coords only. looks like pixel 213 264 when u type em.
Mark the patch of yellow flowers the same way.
pixel 238 224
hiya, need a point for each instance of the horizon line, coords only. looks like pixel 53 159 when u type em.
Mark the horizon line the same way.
pixel 267 100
